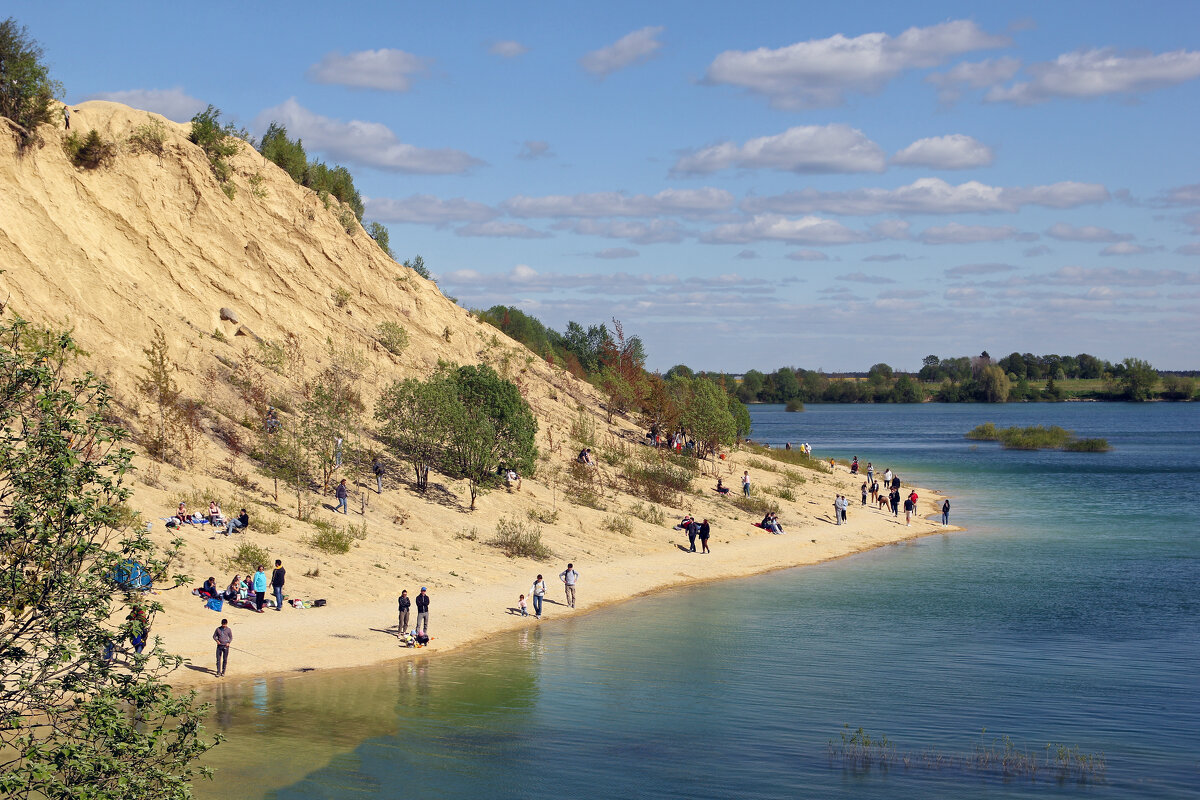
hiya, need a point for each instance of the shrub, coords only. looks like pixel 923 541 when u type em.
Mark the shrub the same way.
pixel 759 506
pixel 471 535
pixel 336 182
pixel 1034 437
pixel 986 432
pixel 519 540
pixel 763 464
pixel 392 336
pixel 328 539
pixel 347 219
pixel 277 148
pixel 256 186
pixel 658 483
pixel 341 296
pixel 793 457
pixel 90 152
pixel 618 524
pixel 542 515
pixel 379 233
pixel 247 558
pixel 218 142
pixel 582 487
pixel 583 428
pixel 149 138
pixel 272 355
pixel 271 526
pixel 794 405
pixel 1087 446
pixel 649 513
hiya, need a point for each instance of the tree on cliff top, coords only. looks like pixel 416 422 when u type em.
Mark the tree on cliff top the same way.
pixel 26 89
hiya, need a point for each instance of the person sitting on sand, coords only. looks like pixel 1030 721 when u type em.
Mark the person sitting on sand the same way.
pixel 721 487
pixel 214 513
pixel 182 514
pixel 512 480
pixel 770 524
pixel 209 589
pixel 854 466
pixel 231 591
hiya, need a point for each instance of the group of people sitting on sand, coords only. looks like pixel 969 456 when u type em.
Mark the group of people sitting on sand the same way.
pixel 771 523
pixel 248 593
pixel 214 517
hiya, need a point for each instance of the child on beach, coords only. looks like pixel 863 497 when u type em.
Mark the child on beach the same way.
pixel 521 604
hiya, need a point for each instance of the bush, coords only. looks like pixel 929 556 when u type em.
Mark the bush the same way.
pixel 149 138
pixel 392 336
pixel 247 558
pixel 618 524
pixel 90 152
pixel 336 182
pixel 658 483
pixel 379 233
pixel 793 457
pixel 545 516
pixel 649 513
pixel 582 486
pixel 257 191
pixel 219 143
pixel 277 148
pixel 1087 446
pixel 794 405
pixel 328 539
pixel 759 506
pixel 347 219
pixel 519 540
pixel 986 432
pixel 341 296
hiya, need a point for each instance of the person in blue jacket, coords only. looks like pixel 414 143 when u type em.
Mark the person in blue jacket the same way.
pixel 260 588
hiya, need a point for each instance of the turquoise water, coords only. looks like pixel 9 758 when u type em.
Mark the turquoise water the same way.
pixel 1066 613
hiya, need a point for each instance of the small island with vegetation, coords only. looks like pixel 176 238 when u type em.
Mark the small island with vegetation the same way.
pixel 1037 437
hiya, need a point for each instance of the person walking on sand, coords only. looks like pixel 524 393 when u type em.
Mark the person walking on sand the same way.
pixel 342 493
pixel 705 532
pixel 260 588
pixel 569 577
pixel 864 493
pixel 423 612
pixel 908 509
pixel 223 636
pixel 946 511
pixel 746 483
pixel 521 605
pixel 277 578
pixel 537 593
pixel 405 604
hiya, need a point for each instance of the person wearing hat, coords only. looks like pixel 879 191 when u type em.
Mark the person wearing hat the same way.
pixel 423 612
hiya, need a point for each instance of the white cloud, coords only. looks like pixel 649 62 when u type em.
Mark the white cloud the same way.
pixel 428 210
pixel 174 104
pixel 978 269
pixel 671 202
pixel 819 72
pixel 862 277
pixel 957 233
pixel 501 230
pixel 747 254
pixel 1181 196
pixel 1085 233
pixel 617 252
pixel 655 231
pixel 389 70
pixel 956 151
pixel 1082 276
pixel 1038 250
pixel 807 230
pixel 931 196
pixel 370 144
pixel 807 255
pixel 802 149
pixel 1099 72
pixel 534 149
pixel 630 49
pixel 973 75
pixel 508 49
pixel 886 257
pixel 1128 249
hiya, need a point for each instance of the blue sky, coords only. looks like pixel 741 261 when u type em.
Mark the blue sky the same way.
pixel 751 185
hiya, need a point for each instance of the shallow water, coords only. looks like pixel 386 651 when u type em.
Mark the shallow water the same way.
pixel 1067 613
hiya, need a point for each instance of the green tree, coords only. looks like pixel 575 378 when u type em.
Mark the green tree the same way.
pixel 907 390
pixel 1137 379
pixel 379 233
pixel 706 415
pixel 741 417
pixel 489 423
pixel 289 155
pixel 415 423
pixel 332 410
pixel 993 385
pixel 26 89
pixel 73 725
pixel 219 142
pixel 880 373
pixel 417 265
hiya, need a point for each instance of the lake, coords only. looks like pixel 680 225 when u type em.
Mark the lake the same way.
pixel 1067 613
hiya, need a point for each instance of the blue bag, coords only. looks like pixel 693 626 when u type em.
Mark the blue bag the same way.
pixel 214 603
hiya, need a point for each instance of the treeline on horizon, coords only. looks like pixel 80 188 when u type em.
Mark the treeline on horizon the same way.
pixel 589 352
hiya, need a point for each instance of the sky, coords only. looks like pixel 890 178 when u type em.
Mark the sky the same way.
pixel 750 185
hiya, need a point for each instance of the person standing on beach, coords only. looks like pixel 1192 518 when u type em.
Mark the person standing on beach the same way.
pixel 746 483
pixel 870 473
pixel 887 477
pixel 260 588
pixel 405 604
pixel 908 509
pixel 705 531
pixel 894 501
pixel 569 577
pixel 864 493
pixel 277 578
pixel 837 510
pixel 342 493
pixel 223 636
pixel 946 511
pixel 537 593
pixel 423 612
pixel 845 507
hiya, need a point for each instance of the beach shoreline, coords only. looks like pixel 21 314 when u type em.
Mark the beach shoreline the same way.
pixel 363 635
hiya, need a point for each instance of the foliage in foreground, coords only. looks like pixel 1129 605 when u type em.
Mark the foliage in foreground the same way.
pixel 73 725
